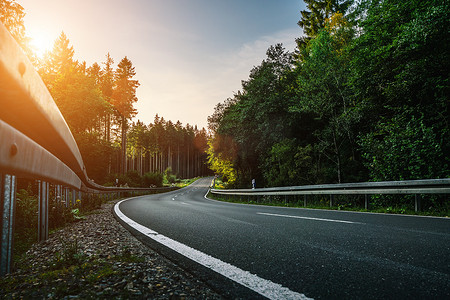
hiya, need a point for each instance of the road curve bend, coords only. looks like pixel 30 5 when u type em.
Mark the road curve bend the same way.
pixel 250 251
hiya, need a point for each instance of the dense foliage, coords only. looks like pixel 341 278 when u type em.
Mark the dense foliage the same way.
pixel 364 97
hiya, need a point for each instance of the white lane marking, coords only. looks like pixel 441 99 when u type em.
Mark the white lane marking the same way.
pixel 185 203
pixel 173 199
pixel 307 218
pixel 262 286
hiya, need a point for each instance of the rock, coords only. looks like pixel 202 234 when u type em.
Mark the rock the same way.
pixel 101 273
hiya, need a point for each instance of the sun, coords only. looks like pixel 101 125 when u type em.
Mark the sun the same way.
pixel 41 43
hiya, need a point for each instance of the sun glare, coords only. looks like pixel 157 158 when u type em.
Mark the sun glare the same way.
pixel 41 43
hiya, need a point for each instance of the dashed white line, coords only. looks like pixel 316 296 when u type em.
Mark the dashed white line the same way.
pixel 308 218
pixel 261 286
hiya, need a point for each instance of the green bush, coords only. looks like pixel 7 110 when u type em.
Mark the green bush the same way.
pixel 404 148
pixel 131 179
pixel 153 179
pixel 171 179
pixel 25 229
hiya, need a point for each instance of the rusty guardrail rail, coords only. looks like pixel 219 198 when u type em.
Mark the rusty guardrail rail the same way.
pixel 35 143
pixel 415 187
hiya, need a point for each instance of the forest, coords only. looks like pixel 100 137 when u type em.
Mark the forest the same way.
pixel 97 103
pixel 364 97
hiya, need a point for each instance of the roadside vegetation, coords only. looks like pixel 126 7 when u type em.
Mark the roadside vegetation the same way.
pixel 364 97
pixel 67 268
pixel 390 204
pixel 149 179
pixel 60 214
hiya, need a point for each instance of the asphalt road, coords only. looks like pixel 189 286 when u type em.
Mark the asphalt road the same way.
pixel 321 254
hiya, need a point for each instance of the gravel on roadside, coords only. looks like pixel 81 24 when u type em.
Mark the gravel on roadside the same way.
pixel 97 258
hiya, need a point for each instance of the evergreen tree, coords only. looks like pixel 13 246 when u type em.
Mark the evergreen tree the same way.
pixel 123 98
pixel 11 15
pixel 106 86
pixel 313 19
pixel 61 59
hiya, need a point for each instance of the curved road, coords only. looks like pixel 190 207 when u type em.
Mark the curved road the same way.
pixel 313 253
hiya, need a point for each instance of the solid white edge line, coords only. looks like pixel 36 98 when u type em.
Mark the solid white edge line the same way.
pixel 261 286
pixel 307 218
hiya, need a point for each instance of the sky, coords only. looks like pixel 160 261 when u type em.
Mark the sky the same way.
pixel 188 55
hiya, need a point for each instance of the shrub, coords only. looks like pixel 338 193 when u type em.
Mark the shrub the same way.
pixel 171 178
pixel 155 179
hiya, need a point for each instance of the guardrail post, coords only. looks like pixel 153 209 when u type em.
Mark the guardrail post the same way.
pixel 63 196
pixel 58 196
pixel 331 200
pixel 43 211
pixel 66 196
pixel 417 202
pixel 366 202
pixel 7 201
pixel 305 199
pixel 74 197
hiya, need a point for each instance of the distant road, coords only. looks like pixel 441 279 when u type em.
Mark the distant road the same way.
pixel 294 252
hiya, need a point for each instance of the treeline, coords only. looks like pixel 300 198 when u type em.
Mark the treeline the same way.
pixel 164 146
pixel 363 98
pixel 97 103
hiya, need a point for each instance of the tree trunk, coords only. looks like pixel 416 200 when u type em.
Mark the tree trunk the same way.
pixel 124 146
pixel 188 173
pixel 338 158
pixel 169 158
pixel 178 160
pixel 108 127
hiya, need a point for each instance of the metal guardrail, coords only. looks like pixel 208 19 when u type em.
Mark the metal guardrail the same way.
pixel 425 186
pixel 35 143
pixel 415 187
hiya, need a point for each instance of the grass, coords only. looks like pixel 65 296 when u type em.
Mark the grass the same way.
pixel 185 182
pixel 340 203
pixel 219 184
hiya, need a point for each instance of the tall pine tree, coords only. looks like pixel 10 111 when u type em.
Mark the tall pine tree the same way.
pixel 313 19
pixel 123 98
